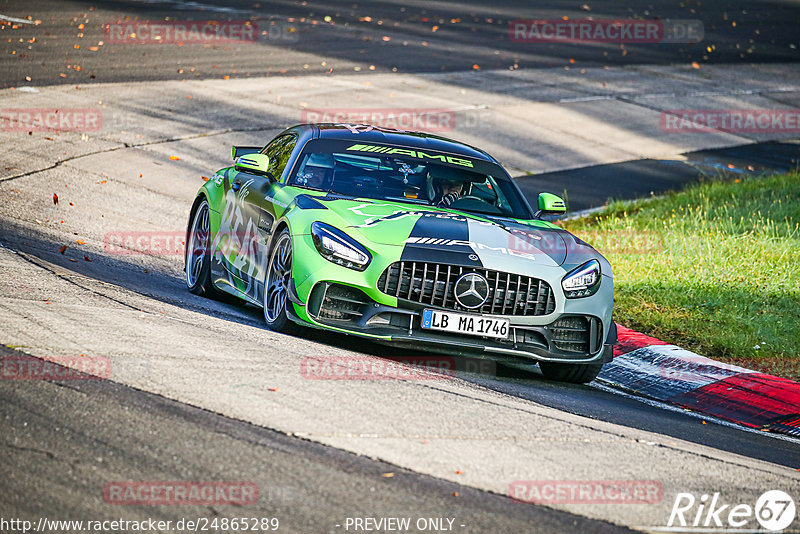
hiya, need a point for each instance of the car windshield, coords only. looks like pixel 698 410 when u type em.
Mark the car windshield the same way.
pixel 402 174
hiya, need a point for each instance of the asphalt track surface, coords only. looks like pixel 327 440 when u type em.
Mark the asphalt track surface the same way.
pixel 64 440
pixel 71 438
pixel 414 36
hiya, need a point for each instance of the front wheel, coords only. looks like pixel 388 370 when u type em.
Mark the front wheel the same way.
pixel 276 286
pixel 570 372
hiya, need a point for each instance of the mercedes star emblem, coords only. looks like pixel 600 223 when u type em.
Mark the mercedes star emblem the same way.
pixel 471 290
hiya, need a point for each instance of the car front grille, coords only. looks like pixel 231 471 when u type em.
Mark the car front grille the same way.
pixel 432 284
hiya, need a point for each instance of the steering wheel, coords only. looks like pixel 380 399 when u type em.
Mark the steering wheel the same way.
pixel 471 202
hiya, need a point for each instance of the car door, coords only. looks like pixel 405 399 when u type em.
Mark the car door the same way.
pixel 262 210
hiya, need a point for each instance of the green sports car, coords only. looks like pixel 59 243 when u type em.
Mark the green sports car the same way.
pixel 401 237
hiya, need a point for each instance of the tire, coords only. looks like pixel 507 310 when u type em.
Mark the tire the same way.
pixel 198 253
pixel 276 286
pixel 570 372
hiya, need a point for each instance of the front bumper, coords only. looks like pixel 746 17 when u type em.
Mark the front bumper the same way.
pixel 569 338
pixel 335 298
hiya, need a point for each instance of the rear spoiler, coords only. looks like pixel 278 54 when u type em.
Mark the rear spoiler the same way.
pixel 237 151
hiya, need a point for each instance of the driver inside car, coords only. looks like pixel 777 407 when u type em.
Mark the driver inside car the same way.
pixel 445 186
pixel 317 172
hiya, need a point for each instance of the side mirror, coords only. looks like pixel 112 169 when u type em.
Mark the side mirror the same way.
pixel 550 204
pixel 237 151
pixel 254 164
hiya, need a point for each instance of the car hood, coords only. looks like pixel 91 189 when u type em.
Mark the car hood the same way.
pixel 443 236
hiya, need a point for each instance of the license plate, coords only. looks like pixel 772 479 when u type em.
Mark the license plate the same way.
pixel 472 325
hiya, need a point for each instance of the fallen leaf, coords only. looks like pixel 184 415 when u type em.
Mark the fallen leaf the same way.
pixel 695 64
pixel 205 178
pixel 80 241
pixel 85 257
pixel 273 389
pixel 476 67
pixel 63 249
pixel 174 158
pixel 387 475
pixel 704 422
pixel 455 494
pixel 55 198
pixel 147 271
pixel 140 175
pixel 459 473
pixel 73 259
pixel 102 181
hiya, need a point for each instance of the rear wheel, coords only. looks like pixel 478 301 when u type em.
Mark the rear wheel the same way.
pixel 198 253
pixel 276 286
pixel 570 372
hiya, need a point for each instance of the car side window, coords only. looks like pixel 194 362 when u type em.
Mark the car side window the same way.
pixel 279 151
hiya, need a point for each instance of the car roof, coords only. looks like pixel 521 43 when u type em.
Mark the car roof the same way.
pixel 376 134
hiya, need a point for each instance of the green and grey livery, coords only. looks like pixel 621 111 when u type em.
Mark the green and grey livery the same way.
pixel 404 238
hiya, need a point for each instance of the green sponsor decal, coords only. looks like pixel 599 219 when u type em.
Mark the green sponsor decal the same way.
pixel 444 158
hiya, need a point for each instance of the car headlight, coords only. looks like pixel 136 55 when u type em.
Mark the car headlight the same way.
pixel 583 281
pixel 338 247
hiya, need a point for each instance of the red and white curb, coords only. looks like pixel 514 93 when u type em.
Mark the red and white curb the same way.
pixel 652 368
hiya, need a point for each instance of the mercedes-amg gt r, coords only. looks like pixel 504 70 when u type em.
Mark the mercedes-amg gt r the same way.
pixel 402 237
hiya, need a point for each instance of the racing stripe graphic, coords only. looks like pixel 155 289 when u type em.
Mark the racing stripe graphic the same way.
pixel 441 238
pixel 518 252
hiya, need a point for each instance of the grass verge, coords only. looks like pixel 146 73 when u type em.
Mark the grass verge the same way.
pixel 714 268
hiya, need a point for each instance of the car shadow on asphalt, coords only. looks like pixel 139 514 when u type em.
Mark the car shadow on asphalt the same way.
pixel 161 284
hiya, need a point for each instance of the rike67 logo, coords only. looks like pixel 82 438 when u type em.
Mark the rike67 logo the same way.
pixel 774 510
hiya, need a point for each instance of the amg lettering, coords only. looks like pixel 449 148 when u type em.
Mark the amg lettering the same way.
pixel 453 160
